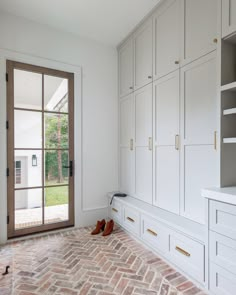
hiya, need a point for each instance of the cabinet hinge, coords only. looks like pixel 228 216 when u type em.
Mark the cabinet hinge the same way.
pixel 6 77
pixel 8 219
pixel 7 124
pixel 8 172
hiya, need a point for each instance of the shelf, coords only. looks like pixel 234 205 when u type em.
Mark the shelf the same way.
pixel 229 87
pixel 229 140
pixel 229 111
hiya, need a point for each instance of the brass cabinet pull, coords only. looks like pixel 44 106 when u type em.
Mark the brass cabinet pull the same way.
pixel 185 253
pixel 149 77
pixel 131 144
pixel 177 62
pixel 215 140
pixel 150 143
pixel 215 40
pixel 115 210
pixel 151 232
pixel 130 219
pixel 177 142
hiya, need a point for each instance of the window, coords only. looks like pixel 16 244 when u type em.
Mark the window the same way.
pixel 18 172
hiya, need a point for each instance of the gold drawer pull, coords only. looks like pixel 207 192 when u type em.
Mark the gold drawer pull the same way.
pixel 151 232
pixel 130 219
pixel 115 210
pixel 182 251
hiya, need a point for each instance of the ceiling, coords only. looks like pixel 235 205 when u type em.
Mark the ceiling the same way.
pixel 107 21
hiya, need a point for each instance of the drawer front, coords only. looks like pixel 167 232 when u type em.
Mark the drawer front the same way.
pixel 188 255
pixel 116 211
pixel 223 219
pixel 154 234
pixel 131 220
pixel 223 251
pixel 222 282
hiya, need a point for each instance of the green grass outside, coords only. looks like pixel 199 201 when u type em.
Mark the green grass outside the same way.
pixel 56 195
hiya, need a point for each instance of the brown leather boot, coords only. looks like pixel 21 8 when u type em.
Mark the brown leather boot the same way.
pixel 100 226
pixel 109 228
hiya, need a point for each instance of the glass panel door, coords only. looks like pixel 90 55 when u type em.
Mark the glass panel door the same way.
pixel 40 149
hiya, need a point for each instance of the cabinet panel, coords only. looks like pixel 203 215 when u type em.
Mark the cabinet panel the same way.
pixel 126 68
pixel 200 28
pixel 143 174
pixel 166 97
pixel 228 17
pixel 199 100
pixel 200 171
pixel 126 120
pixel 143 55
pixel 132 220
pixel 167 39
pixel 126 170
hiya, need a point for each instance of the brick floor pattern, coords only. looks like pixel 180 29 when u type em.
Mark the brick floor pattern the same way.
pixel 74 262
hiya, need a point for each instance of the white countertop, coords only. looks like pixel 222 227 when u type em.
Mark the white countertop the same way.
pixel 224 194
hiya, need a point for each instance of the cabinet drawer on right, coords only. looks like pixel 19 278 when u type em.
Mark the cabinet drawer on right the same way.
pixel 188 254
pixel 223 218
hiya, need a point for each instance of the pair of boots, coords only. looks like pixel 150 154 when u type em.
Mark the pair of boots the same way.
pixel 107 228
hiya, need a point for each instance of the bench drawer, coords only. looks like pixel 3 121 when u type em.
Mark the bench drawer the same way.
pixel 116 211
pixel 188 254
pixel 222 282
pixel 223 219
pixel 155 234
pixel 131 220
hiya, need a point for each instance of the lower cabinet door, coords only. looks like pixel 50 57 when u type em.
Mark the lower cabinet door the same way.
pixel 126 170
pixel 155 234
pixel 222 282
pixel 188 255
pixel 132 220
pixel 167 178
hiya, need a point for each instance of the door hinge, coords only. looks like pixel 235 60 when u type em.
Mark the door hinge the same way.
pixel 7 124
pixel 8 219
pixel 8 172
pixel 6 77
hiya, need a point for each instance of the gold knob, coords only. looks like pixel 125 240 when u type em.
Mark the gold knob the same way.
pixel 215 40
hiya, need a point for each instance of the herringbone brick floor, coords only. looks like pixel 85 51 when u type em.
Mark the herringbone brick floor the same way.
pixel 74 262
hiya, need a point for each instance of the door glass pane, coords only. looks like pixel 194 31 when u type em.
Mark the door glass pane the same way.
pixel 28 208
pixel 55 94
pixel 55 171
pixel 28 129
pixel 27 90
pixel 56 204
pixel 28 168
pixel 56 131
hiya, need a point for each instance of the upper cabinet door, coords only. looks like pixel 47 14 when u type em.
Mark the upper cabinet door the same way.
pixel 200 28
pixel 167 35
pixel 228 17
pixel 126 83
pixel 143 55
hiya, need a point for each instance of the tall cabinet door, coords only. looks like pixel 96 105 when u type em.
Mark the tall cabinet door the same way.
pixel 166 159
pixel 127 144
pixel 228 17
pixel 143 144
pixel 198 126
pixel 167 38
pixel 200 28
pixel 143 55
pixel 126 68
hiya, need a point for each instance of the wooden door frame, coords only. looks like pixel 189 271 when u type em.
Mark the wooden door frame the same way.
pixel 10 66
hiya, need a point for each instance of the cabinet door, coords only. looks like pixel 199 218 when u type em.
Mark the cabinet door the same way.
pixel 126 68
pixel 167 39
pixel 126 120
pixel 166 101
pixel 143 55
pixel 143 144
pixel 200 28
pixel 127 170
pixel 228 17
pixel 198 125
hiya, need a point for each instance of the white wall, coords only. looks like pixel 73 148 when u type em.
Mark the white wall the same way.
pixel 98 109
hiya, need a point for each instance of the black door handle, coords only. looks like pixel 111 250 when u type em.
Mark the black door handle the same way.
pixel 69 167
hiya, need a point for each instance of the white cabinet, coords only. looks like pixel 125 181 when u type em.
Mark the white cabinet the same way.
pixel 143 55
pixel 198 125
pixel 166 102
pixel 126 62
pixel 167 39
pixel 228 17
pixel 143 143
pixel 200 28
pixel 126 145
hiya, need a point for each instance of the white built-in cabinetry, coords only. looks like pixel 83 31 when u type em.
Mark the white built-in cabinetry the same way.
pixel 228 17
